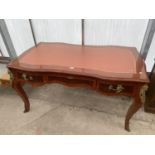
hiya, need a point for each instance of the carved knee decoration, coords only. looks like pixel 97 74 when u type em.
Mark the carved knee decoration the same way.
pixel 142 93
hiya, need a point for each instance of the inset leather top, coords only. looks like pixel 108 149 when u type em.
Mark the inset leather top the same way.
pixel 111 62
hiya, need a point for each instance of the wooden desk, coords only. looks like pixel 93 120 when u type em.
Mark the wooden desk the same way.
pixel 107 69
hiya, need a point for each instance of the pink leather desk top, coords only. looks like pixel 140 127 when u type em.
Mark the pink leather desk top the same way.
pixel 98 61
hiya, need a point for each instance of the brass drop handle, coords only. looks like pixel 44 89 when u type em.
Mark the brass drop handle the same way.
pixel 118 89
pixel 24 76
pixel 31 78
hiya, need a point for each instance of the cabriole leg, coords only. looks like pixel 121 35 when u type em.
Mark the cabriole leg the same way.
pixel 18 87
pixel 139 99
pixel 131 111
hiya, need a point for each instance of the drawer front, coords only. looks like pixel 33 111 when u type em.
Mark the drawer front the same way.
pixel 72 80
pixel 30 78
pixel 116 88
pixel 58 78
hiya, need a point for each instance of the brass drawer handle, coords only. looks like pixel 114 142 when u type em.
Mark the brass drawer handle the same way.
pixel 118 89
pixel 30 77
pixel 25 77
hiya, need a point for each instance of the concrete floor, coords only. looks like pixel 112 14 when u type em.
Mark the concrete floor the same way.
pixel 56 109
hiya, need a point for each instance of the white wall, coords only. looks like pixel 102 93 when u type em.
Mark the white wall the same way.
pixel 3 47
pixel 20 33
pixel 125 32
pixel 57 30
pixel 151 56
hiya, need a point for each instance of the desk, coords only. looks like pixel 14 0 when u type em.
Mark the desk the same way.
pixel 110 70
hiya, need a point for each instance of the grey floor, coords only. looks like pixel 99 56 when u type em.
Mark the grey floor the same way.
pixel 56 109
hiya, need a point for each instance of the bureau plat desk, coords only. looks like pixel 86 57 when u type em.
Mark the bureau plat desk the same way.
pixel 110 70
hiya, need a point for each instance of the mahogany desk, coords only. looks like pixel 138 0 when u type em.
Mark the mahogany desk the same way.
pixel 110 70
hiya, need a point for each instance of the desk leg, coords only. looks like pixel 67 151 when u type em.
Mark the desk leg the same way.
pixel 18 87
pixel 139 99
pixel 132 110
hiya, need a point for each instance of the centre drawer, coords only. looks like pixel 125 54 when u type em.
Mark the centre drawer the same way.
pixel 72 80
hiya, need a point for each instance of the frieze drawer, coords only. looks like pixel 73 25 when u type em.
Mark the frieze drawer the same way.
pixel 72 80
pixel 30 78
pixel 116 88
